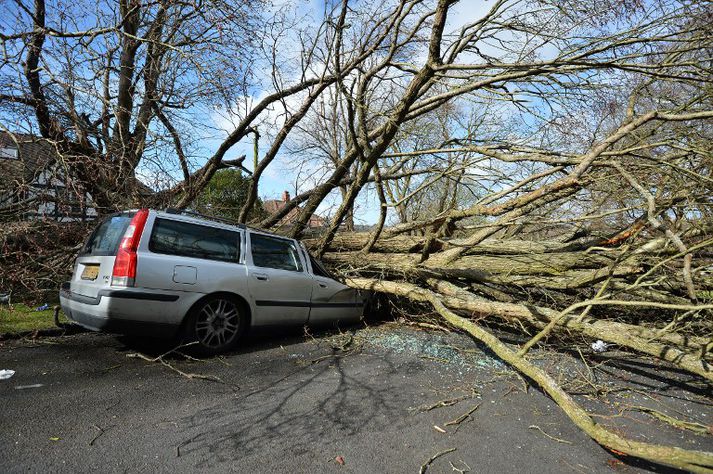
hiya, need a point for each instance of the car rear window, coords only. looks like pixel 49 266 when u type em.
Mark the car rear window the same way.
pixel 272 252
pixel 107 236
pixel 193 240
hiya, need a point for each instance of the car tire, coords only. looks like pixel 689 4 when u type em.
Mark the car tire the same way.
pixel 216 324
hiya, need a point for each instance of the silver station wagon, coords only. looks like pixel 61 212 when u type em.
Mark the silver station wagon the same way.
pixel 173 273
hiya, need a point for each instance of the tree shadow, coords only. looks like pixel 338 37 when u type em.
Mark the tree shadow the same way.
pixel 255 339
pixel 300 406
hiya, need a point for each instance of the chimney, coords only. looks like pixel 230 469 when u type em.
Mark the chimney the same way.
pixel 285 196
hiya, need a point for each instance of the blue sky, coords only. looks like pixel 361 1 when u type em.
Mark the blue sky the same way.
pixel 279 176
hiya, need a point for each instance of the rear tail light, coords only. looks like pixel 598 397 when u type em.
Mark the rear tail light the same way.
pixel 124 273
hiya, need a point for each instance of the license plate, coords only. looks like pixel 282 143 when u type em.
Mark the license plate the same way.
pixel 90 272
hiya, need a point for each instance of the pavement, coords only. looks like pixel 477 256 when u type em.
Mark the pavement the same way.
pixel 382 399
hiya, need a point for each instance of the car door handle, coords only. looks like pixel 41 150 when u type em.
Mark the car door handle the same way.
pixel 261 276
pixel 323 285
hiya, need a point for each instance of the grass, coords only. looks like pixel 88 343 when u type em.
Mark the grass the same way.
pixel 20 318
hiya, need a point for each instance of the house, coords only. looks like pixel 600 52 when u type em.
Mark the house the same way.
pixel 272 206
pixel 34 184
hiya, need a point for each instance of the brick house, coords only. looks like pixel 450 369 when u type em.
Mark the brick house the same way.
pixel 273 206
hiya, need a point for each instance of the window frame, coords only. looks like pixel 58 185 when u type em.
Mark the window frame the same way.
pixel 289 241
pixel 5 155
pixel 239 235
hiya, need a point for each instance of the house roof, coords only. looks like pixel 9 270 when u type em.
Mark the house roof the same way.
pixel 33 155
pixel 272 206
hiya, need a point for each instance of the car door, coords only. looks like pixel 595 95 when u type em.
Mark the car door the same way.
pixel 332 301
pixel 278 281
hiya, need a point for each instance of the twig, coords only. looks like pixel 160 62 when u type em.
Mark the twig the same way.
pixel 464 416
pixel 188 375
pixel 188 357
pixel 430 326
pixel 574 468
pixel 675 422
pixel 461 471
pixel 222 360
pixel 328 356
pixel 101 432
pixel 559 440
pixel 445 403
pixel 424 467
pixel 443 360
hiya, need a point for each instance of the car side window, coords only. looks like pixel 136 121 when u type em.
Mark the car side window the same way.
pixel 272 252
pixel 192 240
pixel 318 268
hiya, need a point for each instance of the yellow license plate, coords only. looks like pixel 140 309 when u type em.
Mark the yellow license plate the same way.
pixel 90 272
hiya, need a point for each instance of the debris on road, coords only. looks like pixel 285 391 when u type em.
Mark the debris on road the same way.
pixel 436 347
pixel 559 440
pixel 425 466
pixel 6 374
pixel 464 416
pixel 600 346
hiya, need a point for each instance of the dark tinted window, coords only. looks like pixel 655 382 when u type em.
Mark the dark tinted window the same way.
pixel 107 236
pixel 318 268
pixel 193 240
pixel 272 252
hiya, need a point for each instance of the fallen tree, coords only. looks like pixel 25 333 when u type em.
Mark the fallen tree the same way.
pixel 523 278
pixel 627 295
pixel 541 166
pixel 694 461
pixel 37 256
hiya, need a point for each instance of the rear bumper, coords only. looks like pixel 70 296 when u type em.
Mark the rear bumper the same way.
pixel 123 312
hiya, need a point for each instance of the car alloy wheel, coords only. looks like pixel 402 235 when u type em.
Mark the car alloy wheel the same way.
pixel 218 324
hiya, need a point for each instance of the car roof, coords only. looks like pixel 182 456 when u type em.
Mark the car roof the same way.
pixel 197 218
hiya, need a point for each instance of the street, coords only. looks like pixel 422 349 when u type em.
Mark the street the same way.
pixel 371 400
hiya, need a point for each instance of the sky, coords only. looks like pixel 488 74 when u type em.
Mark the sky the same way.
pixel 280 175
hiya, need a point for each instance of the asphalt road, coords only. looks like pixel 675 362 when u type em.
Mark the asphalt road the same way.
pixel 291 403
